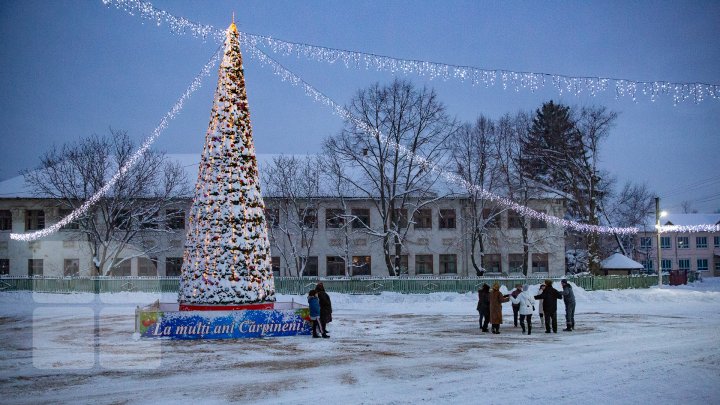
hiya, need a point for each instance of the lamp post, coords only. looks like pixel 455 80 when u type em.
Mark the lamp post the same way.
pixel 658 214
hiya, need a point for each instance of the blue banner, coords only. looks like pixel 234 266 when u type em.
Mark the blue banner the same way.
pixel 223 324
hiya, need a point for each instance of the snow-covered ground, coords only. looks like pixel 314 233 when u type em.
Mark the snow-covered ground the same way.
pixel 659 346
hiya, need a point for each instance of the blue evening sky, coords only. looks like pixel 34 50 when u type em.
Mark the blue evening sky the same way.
pixel 69 69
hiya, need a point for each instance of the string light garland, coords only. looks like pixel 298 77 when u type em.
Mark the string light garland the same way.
pixel 688 228
pixel 531 81
pixel 169 116
pixel 287 76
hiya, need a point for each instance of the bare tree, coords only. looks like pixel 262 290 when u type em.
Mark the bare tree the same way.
pixel 127 221
pixel 293 185
pixel 474 157
pixel 629 208
pixel 398 183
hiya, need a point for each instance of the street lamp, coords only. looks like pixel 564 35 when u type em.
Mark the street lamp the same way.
pixel 658 215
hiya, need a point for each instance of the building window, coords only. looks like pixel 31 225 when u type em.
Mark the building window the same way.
pixel 448 264
pixel 275 265
pixel 361 218
pixel 173 266
pixel 516 261
pixel 514 220
pixel 717 267
pixel 34 220
pixel 646 242
pixel 666 265
pixel 648 265
pixel 71 267
pixel 147 267
pixel 35 267
pixel 536 223
pixel 492 263
pixel 4 267
pixel 175 219
pixel 401 218
pixel 665 242
pixel 701 242
pixel 702 264
pixel 5 220
pixel 335 266
pixel 308 217
pixel 423 264
pixel 272 217
pixel 361 265
pixel 403 267
pixel 684 264
pixel 539 262
pixel 423 218
pixel 74 225
pixel 334 218
pixel 683 242
pixel 122 220
pixel 311 266
pixel 716 241
pixel 447 219
pixel 120 268
pixel 491 218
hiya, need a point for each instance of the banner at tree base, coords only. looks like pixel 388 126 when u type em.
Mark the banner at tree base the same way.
pixel 166 321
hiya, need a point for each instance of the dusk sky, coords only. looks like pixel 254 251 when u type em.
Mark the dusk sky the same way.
pixel 69 69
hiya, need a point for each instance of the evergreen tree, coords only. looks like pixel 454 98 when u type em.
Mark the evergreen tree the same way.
pixel 227 253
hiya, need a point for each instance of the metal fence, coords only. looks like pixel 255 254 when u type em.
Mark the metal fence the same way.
pixel 301 285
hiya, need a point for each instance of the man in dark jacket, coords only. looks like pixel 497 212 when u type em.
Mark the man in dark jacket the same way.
pixel 569 298
pixel 325 306
pixel 483 306
pixel 549 297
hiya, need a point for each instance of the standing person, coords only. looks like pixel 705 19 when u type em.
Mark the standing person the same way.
pixel 550 297
pixel 314 304
pixel 483 306
pixel 325 307
pixel 540 304
pixel 496 301
pixel 526 307
pixel 569 298
pixel 516 307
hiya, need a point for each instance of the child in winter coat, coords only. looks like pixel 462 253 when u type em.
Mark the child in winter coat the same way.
pixel 526 306
pixel 314 304
pixel 540 304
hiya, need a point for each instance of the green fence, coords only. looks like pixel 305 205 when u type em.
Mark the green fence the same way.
pixel 301 285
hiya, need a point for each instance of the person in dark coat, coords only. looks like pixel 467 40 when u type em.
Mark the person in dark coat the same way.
pixel 569 298
pixel 314 304
pixel 516 307
pixel 496 301
pixel 483 306
pixel 549 297
pixel 325 306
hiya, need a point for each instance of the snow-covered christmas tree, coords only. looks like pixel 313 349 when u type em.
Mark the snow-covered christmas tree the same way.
pixel 227 252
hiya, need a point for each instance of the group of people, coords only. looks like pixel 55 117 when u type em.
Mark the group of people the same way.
pixel 523 304
pixel 320 310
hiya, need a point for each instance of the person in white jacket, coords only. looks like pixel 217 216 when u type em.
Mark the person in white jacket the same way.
pixel 527 307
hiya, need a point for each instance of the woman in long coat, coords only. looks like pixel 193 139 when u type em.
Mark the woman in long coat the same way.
pixel 496 301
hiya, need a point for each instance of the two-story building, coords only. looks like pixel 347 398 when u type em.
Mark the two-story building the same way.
pixel 691 251
pixel 437 241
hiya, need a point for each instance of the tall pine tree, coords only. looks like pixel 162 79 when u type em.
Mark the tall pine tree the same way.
pixel 227 252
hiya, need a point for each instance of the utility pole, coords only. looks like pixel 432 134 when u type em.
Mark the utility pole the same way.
pixel 657 228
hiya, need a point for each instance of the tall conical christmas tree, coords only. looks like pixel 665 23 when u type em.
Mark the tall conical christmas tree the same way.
pixel 227 252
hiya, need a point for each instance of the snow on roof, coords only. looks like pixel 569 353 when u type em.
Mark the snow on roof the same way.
pixel 618 261
pixel 684 220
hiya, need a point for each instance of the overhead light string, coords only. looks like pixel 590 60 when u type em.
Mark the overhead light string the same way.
pixel 517 80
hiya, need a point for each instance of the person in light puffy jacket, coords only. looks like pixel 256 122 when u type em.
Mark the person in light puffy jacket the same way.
pixel 314 304
pixel 526 307
pixel 569 299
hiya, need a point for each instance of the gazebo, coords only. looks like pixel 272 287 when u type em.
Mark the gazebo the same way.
pixel 618 264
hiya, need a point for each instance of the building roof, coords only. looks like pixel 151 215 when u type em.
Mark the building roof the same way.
pixel 683 220
pixel 618 261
